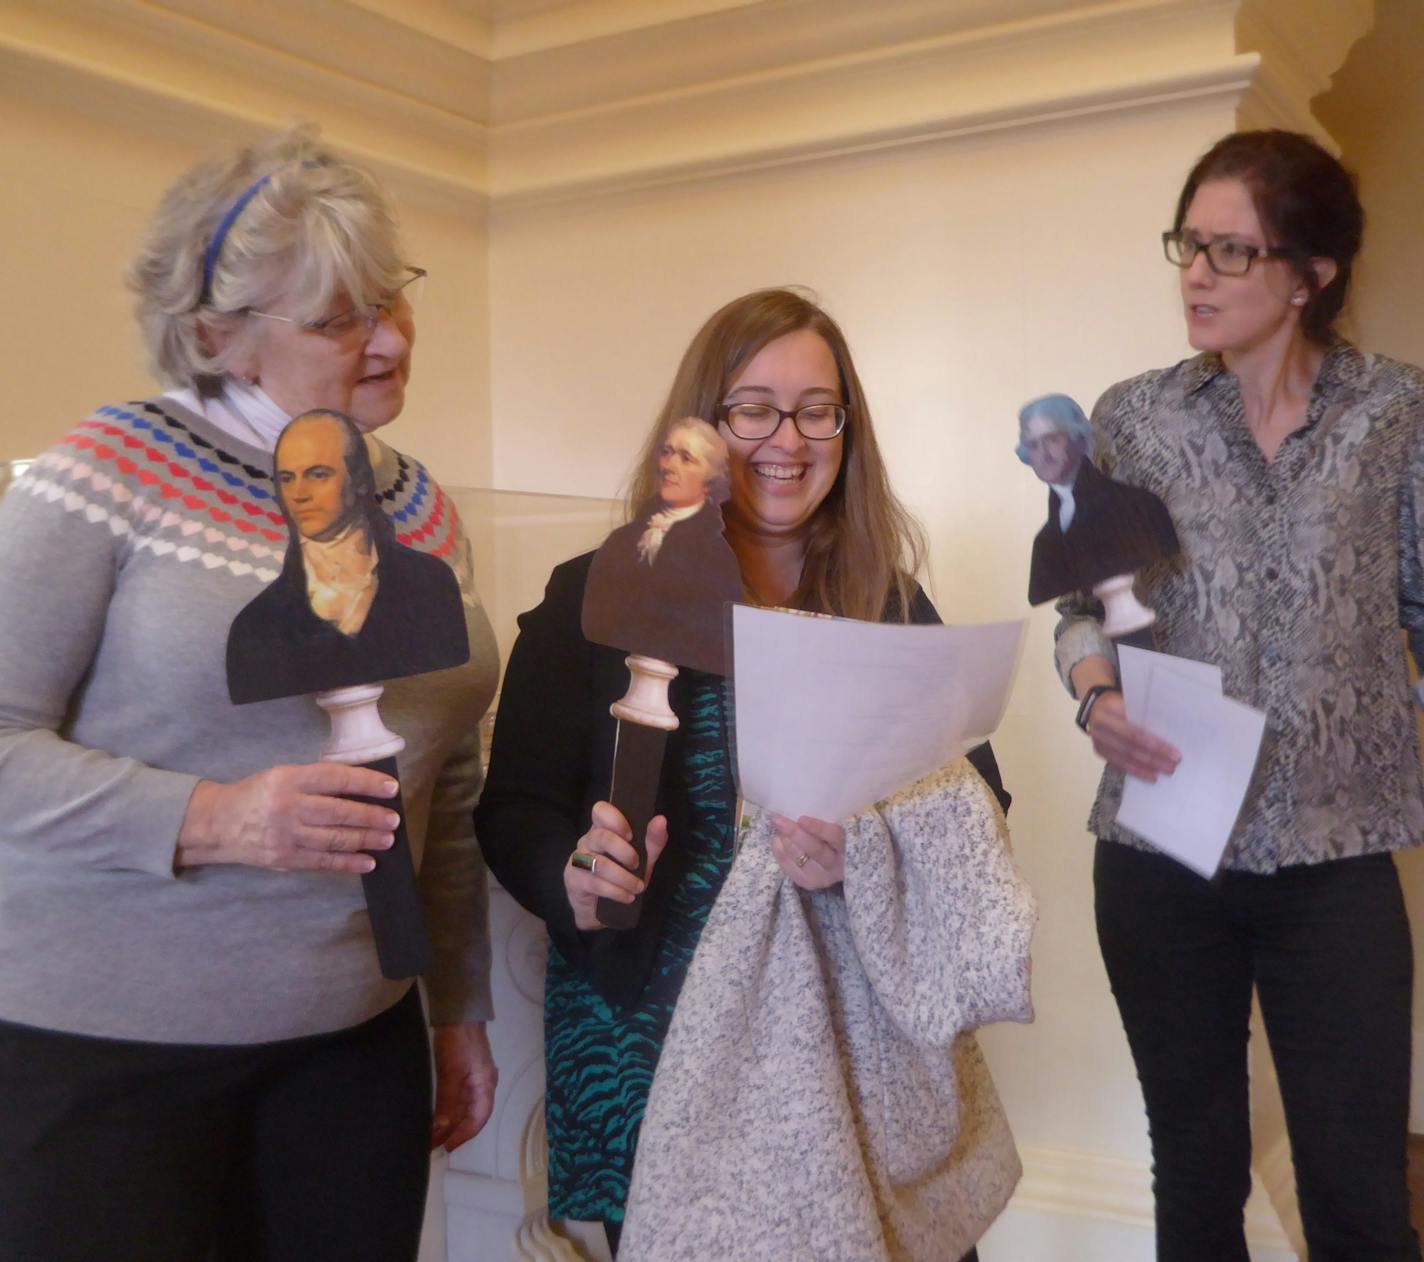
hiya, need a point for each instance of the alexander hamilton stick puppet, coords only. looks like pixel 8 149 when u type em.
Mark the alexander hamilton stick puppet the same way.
pixel 658 589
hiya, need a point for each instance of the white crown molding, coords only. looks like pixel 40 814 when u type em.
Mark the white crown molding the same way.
pixel 1302 43
pixel 124 58
pixel 600 95
pixel 1091 59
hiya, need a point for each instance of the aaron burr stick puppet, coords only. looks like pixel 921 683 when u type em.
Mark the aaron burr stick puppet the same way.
pixel 1099 532
pixel 351 606
pixel 658 588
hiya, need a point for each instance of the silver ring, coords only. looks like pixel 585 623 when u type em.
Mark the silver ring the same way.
pixel 800 860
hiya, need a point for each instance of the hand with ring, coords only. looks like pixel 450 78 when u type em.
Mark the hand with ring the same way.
pixel 604 863
pixel 810 851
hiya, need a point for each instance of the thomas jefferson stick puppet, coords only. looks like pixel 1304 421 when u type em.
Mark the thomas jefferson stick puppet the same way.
pixel 350 607
pixel 657 589
pixel 1099 532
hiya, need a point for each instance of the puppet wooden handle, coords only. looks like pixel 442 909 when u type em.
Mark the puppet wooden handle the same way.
pixel 644 720
pixel 360 739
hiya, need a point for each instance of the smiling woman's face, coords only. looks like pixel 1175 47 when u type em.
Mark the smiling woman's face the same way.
pixel 361 372
pixel 779 482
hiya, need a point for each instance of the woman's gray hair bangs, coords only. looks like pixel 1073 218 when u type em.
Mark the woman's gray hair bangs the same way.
pixel 316 226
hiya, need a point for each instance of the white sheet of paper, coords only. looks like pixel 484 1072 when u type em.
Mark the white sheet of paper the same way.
pixel 1190 814
pixel 833 715
pixel 1135 668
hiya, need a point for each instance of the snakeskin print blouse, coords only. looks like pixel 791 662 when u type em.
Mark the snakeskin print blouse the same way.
pixel 1294 578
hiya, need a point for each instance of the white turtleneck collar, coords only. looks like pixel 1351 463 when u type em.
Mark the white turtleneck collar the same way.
pixel 651 541
pixel 242 411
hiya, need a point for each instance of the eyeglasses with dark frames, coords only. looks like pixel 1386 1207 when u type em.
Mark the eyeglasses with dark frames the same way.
pixel 815 421
pixel 1225 257
pixel 345 323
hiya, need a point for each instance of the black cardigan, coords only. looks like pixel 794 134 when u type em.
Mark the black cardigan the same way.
pixel 552 760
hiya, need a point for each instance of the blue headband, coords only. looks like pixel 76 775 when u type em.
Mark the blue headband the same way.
pixel 210 256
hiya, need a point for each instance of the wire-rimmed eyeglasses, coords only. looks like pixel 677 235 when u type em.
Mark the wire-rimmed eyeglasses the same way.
pixel 346 323
pixel 816 421
pixel 1225 257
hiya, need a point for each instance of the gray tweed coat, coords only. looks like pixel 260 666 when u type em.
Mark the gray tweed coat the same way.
pixel 820 1096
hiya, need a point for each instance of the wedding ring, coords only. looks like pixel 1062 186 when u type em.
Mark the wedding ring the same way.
pixel 588 862
pixel 800 860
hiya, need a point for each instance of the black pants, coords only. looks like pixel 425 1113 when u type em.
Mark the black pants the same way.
pixel 1327 948
pixel 311 1148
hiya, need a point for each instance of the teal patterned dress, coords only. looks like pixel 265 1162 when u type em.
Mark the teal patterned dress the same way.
pixel 600 1060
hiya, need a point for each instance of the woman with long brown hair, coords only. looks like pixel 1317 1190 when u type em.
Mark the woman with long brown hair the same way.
pixel 815 526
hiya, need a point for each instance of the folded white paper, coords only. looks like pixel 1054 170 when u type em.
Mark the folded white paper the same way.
pixel 1188 815
pixel 833 715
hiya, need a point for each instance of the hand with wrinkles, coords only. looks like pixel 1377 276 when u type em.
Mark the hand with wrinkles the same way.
pixel 290 819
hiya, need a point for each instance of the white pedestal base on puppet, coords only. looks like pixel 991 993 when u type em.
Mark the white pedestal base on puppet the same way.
pixel 1123 613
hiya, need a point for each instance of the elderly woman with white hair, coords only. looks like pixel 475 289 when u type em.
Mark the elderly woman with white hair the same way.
pixel 199 1056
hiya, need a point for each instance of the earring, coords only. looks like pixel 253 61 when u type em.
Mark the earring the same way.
pixel 1298 300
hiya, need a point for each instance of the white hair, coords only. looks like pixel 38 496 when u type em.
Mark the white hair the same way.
pixel 314 225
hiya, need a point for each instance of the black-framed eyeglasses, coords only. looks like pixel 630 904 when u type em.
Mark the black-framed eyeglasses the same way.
pixel 816 421
pixel 1225 257
pixel 346 324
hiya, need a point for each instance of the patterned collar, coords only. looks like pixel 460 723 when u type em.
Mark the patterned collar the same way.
pixel 1343 365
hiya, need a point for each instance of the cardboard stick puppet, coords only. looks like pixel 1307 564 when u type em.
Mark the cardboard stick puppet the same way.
pixel 1099 532
pixel 351 606
pixel 658 589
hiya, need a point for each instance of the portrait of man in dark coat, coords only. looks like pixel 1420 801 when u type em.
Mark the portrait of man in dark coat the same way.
pixel 658 585
pixel 351 605
pixel 1097 528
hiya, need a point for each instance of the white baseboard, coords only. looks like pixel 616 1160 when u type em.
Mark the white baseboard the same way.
pixel 1075 1206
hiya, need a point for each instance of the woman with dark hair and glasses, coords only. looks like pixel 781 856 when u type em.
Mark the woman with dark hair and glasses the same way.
pixel 1291 463
pixel 199 1056
pixel 814 525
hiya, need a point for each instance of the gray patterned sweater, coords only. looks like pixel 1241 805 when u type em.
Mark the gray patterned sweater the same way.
pixel 820 1096
pixel 125 553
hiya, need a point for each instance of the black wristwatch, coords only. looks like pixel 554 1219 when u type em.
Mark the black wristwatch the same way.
pixel 1090 699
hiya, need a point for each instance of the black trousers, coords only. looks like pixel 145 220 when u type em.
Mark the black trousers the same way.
pixel 115 1151
pixel 1327 948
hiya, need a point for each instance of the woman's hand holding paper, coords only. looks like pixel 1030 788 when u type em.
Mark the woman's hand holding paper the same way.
pixel 1124 745
pixel 810 851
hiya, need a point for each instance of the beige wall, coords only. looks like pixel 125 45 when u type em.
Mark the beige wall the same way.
pixel 1375 108
pixel 80 186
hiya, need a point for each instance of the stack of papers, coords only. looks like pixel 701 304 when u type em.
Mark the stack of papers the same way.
pixel 1189 814
pixel 834 715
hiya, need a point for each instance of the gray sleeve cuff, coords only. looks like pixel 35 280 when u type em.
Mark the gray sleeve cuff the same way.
pixel 1078 638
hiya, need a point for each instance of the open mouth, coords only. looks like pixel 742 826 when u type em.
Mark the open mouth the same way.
pixel 780 473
